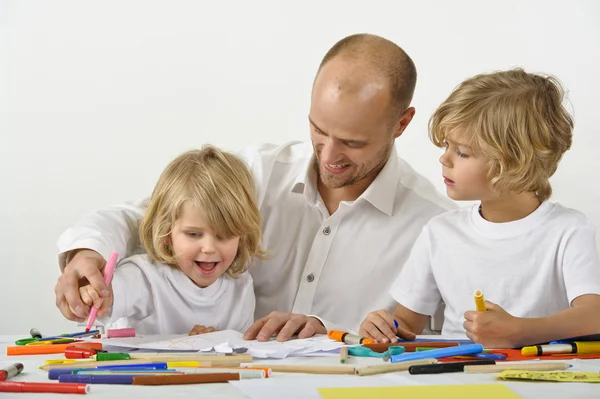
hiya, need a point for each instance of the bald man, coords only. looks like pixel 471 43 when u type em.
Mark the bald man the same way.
pixel 340 213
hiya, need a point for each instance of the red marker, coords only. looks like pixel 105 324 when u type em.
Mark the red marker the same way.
pixel 11 371
pixel 45 387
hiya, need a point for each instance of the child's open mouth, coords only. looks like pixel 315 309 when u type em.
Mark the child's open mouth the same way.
pixel 206 267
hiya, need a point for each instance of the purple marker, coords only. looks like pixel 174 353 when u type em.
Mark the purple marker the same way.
pixel 96 379
pixel 54 373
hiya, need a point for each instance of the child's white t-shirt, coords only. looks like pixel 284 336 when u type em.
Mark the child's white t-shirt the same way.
pixel 159 299
pixel 533 267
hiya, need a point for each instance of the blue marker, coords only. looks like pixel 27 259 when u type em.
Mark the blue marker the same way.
pixel 462 350
pixel 96 379
pixel 73 335
pixel 395 323
pixel 491 356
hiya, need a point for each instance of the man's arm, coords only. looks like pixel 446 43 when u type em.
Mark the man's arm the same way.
pixel 113 229
pixel 84 249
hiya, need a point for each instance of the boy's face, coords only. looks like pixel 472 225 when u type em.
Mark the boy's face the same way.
pixel 465 174
pixel 200 254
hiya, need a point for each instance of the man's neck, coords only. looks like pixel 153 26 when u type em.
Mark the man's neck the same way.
pixel 332 197
pixel 509 208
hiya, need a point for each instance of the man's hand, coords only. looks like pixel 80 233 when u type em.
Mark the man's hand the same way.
pixel 494 328
pixel 380 326
pixel 284 325
pixel 85 268
pixel 198 329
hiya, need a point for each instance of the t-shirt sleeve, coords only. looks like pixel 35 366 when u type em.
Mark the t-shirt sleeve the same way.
pixel 581 266
pixel 415 287
pixel 132 295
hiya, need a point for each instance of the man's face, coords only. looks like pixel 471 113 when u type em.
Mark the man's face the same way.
pixel 351 127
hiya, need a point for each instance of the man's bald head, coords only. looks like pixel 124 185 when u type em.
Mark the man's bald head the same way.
pixel 368 59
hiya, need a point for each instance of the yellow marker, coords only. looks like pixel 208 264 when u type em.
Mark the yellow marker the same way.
pixel 173 365
pixel 479 301
pixel 588 347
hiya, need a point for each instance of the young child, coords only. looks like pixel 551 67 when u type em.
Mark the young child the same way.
pixel 201 230
pixel 536 261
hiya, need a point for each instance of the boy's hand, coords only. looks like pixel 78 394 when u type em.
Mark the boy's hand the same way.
pixel 90 297
pixel 198 329
pixel 494 328
pixel 380 326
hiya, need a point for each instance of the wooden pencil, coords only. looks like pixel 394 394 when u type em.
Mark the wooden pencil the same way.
pixel 190 356
pixel 344 354
pixel 497 368
pixel 393 367
pixel 291 368
pixel 216 360
pixel 185 379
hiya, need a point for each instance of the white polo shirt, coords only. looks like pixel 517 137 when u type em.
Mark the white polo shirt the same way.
pixel 339 267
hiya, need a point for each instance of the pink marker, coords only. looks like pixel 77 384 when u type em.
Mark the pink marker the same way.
pixel 109 270
pixel 120 333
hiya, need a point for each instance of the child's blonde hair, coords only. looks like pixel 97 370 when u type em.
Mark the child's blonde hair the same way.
pixel 515 119
pixel 220 186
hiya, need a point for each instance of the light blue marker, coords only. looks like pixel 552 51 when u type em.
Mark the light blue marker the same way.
pixel 462 350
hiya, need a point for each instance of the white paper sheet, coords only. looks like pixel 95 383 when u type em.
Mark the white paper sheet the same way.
pixel 226 342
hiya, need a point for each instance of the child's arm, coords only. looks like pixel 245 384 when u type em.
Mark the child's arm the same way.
pixel 580 268
pixel 380 325
pixel 415 290
pixel 498 329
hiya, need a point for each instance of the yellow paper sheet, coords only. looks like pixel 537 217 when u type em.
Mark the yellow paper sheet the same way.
pixel 479 391
pixel 558 376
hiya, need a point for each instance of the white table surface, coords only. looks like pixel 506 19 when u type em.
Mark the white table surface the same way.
pixel 527 390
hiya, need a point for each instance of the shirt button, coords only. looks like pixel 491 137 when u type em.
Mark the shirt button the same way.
pixel 310 278
pixel 326 230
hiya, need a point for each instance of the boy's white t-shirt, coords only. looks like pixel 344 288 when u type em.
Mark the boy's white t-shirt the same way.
pixel 533 267
pixel 159 299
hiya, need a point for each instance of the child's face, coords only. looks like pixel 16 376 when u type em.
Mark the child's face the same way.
pixel 200 254
pixel 464 173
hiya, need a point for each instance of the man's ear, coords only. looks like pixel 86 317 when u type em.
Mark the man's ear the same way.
pixel 403 122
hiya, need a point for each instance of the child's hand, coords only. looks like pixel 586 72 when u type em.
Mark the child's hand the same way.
pixel 380 326
pixel 198 329
pixel 494 328
pixel 90 297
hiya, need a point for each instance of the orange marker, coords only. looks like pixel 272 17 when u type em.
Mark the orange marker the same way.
pixel 47 349
pixel 347 338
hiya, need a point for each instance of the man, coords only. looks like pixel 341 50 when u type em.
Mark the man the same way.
pixel 339 216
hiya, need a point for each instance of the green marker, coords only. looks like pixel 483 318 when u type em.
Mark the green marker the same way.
pixel 106 356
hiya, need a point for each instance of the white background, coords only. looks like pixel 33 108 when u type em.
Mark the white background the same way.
pixel 97 97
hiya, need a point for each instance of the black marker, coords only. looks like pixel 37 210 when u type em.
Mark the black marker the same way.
pixel 438 368
pixel 35 333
